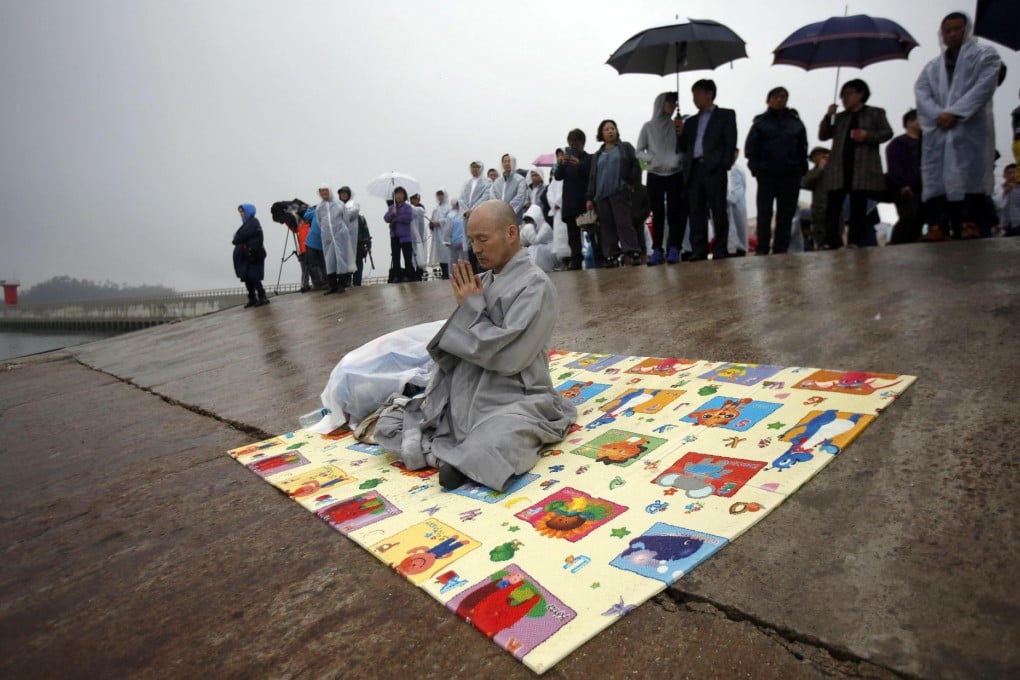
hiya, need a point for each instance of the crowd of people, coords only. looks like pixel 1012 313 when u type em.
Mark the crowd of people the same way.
pixel 594 209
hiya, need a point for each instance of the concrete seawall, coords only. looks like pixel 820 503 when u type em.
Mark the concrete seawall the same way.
pixel 135 547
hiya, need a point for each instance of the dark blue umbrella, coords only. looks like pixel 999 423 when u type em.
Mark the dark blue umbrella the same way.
pixel 857 41
pixel 999 20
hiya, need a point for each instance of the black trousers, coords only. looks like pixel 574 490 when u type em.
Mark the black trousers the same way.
pixel 255 290
pixel 574 239
pixel 910 216
pixel 668 196
pixel 858 218
pixel 706 192
pixel 784 191
pixel 396 248
pixel 616 231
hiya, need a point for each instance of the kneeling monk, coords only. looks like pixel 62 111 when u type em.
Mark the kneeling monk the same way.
pixel 490 405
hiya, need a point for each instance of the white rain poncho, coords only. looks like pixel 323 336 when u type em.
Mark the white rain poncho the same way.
pixel 959 160
pixel 537 237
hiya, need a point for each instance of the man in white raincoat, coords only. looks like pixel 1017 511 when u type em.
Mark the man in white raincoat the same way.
pixel 954 104
pixel 511 187
pixel 351 213
pixel 490 405
pixel 476 191
pixel 440 226
pixel 419 237
pixel 335 239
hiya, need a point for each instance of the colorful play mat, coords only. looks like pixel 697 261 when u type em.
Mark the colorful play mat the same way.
pixel 670 460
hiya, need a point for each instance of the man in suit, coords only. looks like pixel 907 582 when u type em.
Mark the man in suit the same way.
pixel 709 140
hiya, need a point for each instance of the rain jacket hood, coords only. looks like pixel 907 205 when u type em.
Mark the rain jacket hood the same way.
pixel 348 190
pixel 249 211
pixel 513 164
pixel 656 144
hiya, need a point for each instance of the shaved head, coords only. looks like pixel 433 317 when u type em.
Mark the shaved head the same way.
pixel 495 239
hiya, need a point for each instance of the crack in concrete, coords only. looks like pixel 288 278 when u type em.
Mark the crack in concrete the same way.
pixel 843 661
pixel 250 430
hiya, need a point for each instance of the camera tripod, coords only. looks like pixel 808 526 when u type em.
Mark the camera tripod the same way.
pixel 288 237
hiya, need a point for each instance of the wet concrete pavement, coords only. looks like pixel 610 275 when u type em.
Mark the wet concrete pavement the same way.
pixel 134 546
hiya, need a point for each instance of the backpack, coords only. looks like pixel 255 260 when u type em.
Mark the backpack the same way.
pixel 364 235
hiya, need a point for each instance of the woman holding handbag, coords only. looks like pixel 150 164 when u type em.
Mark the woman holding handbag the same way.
pixel 614 170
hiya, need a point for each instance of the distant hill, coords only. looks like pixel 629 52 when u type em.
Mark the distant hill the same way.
pixel 67 289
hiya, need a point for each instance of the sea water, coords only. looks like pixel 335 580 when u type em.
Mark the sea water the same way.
pixel 15 344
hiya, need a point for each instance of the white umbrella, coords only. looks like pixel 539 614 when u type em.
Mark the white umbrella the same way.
pixel 383 185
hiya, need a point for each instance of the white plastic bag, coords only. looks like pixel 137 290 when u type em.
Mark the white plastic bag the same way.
pixel 360 383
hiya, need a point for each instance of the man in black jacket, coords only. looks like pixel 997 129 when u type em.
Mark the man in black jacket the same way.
pixel 709 139
pixel 574 171
pixel 777 150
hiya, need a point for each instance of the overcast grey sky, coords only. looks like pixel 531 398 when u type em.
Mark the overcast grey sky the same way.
pixel 131 130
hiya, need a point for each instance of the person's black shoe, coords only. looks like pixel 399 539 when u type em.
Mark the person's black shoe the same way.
pixel 450 477
pixel 740 253
pixel 251 303
pixel 263 301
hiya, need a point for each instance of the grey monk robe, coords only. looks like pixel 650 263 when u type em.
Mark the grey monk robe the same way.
pixel 490 405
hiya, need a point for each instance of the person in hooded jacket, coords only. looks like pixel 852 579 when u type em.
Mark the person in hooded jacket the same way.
pixel 313 251
pixel 335 239
pixel 537 239
pixel 399 216
pixel 574 169
pixel 439 225
pixel 537 191
pixel 510 186
pixel 657 146
pixel 954 104
pixel 352 213
pixel 615 170
pixel 250 255
pixel 776 150
pixel 419 237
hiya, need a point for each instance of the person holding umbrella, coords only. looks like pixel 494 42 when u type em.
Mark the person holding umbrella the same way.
pixel 399 216
pixel 709 138
pixel 614 170
pixel 855 165
pixel 954 104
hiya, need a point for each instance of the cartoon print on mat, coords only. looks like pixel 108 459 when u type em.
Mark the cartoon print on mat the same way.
pixel 253 451
pixel 513 610
pixel 738 415
pixel 633 401
pixel 666 552
pixel 370 449
pixel 595 362
pixel 702 475
pixel 820 432
pixel 741 374
pixel 850 382
pixel 483 493
pixel 619 447
pixel 423 549
pixel 424 473
pixel 661 367
pixel 277 464
pixel 360 511
pixel 308 482
pixel 570 514
pixel 577 392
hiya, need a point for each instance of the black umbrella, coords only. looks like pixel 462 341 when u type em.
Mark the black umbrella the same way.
pixel 999 20
pixel 692 45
